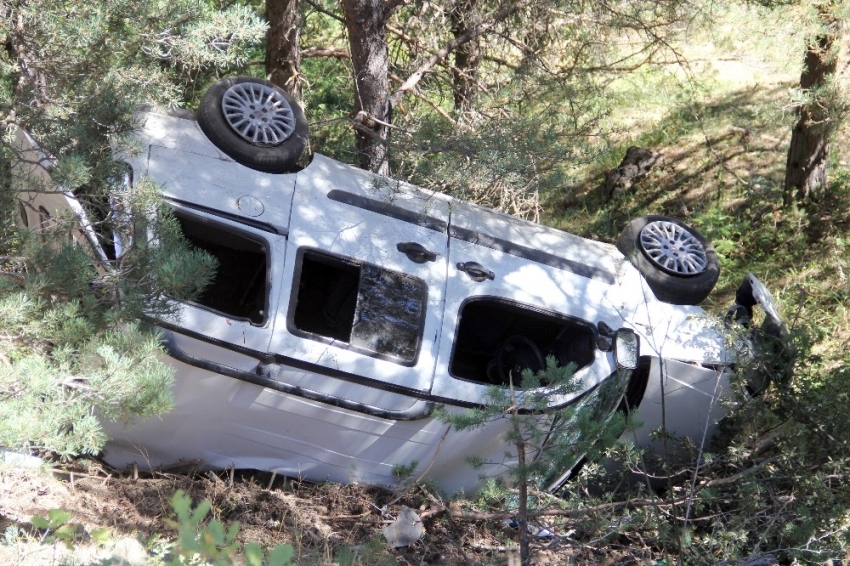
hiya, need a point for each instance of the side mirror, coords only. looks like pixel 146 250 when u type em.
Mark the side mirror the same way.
pixel 626 349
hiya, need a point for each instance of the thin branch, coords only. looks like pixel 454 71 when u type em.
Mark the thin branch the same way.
pixel 427 469
pixel 427 101
pixel 391 6
pixel 457 513
pixel 432 61
pixel 326 52
pixel 322 10
pixel 500 61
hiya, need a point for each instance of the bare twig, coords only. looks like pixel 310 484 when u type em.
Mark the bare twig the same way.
pixel 441 54
pixel 427 101
pixel 319 8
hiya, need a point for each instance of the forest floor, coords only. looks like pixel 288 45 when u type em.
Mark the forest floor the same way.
pixel 327 524
pixel 730 145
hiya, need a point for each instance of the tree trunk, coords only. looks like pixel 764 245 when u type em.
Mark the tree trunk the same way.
pixel 283 52
pixel 467 55
pixel 366 22
pixel 805 169
pixel 522 496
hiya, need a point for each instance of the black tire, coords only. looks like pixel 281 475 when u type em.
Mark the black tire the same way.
pixel 279 140
pixel 680 283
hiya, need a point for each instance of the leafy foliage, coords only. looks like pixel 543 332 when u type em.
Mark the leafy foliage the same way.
pixel 215 543
pixel 57 526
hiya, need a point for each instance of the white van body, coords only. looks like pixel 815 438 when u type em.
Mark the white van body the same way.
pixel 270 381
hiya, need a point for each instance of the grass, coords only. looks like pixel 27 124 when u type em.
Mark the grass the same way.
pixel 724 159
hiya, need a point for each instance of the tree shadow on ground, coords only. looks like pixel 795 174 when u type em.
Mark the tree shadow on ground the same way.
pixel 728 151
pixel 723 173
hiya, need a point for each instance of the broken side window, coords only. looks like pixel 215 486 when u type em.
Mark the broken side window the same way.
pixel 375 310
pixel 240 285
pixel 496 340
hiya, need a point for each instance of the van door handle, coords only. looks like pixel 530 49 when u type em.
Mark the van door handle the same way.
pixel 417 253
pixel 476 271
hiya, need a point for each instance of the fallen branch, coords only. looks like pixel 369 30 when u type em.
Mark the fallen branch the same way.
pixel 14 277
pixel 465 515
pixel 361 518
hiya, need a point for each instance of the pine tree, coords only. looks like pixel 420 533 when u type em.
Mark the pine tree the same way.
pixel 821 106
pixel 74 346
pixel 548 436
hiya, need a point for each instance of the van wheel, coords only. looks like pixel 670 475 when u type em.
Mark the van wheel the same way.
pixel 254 122
pixel 679 265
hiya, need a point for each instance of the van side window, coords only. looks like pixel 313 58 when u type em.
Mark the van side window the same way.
pixel 239 287
pixel 374 310
pixel 496 340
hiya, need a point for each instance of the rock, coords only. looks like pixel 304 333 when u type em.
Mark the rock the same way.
pixel 406 529
pixel 129 552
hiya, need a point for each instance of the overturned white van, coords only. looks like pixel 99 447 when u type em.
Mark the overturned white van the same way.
pixel 347 306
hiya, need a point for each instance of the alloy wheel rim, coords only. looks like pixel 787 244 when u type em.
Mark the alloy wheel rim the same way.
pixel 673 248
pixel 258 113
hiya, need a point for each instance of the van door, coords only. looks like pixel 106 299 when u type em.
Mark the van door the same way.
pixel 363 285
pixel 230 324
pixel 237 215
pixel 517 293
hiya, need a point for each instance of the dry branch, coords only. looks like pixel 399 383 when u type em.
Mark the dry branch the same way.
pixel 438 56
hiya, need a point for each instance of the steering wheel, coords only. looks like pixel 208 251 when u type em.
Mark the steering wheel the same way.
pixel 516 354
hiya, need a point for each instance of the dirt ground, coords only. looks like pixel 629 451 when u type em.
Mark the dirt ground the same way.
pixel 327 524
